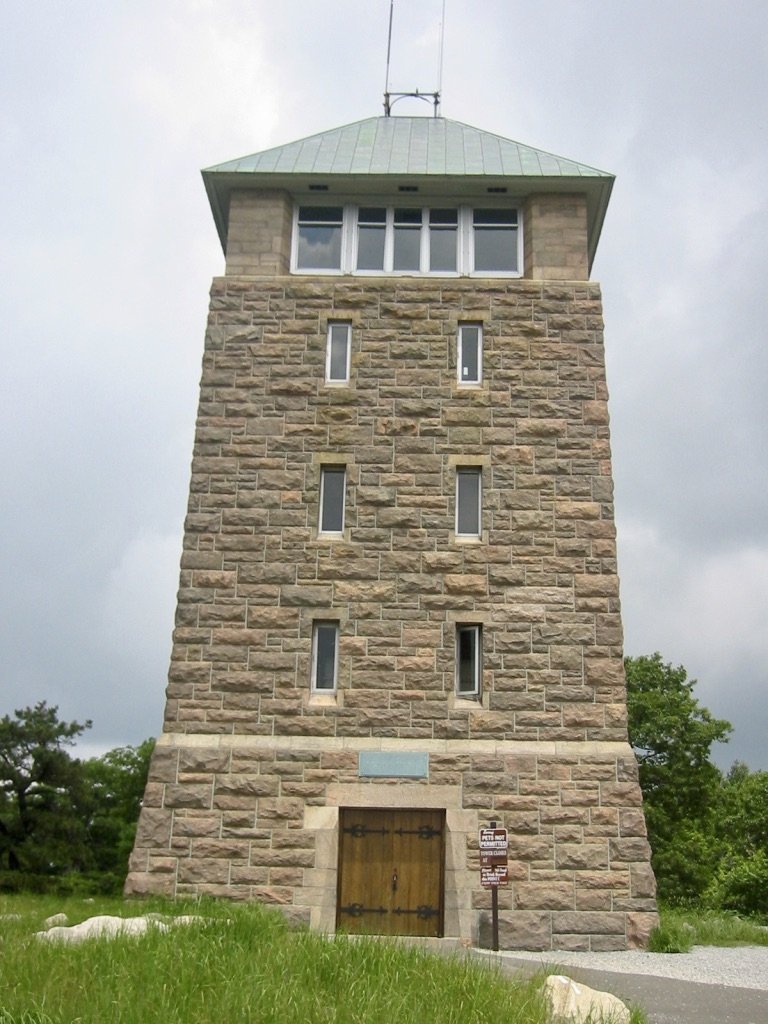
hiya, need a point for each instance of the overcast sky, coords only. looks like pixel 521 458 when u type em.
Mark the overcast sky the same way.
pixel 108 110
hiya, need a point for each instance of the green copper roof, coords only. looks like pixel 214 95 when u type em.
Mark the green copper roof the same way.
pixel 433 156
pixel 408 145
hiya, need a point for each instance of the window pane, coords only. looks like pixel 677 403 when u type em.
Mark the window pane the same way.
pixel 372 215
pixel 445 217
pixel 495 217
pixel 467 659
pixel 408 215
pixel 442 248
pixel 468 501
pixel 496 248
pixel 325 656
pixel 469 355
pixel 319 247
pixel 407 248
pixel 332 482
pixel 320 237
pixel 338 352
pixel 370 247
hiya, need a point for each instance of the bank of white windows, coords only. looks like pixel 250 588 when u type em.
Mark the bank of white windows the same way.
pixel 469 497
pixel 469 660
pixel 337 353
pixel 469 354
pixel 333 482
pixel 325 656
pixel 407 240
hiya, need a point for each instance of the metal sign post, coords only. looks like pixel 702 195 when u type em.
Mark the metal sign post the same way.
pixel 494 843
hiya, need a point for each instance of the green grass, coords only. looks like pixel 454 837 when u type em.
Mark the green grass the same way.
pixel 680 930
pixel 243 964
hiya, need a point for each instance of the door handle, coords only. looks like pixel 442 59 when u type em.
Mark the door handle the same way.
pixel 394 880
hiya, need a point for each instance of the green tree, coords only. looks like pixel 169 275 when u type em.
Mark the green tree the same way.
pixel 741 824
pixel 40 785
pixel 114 790
pixel 743 814
pixel 672 735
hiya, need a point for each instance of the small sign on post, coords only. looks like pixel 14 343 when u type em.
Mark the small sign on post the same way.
pixel 494 840
pixel 494 844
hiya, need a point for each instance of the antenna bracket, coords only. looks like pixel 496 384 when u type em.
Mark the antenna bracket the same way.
pixel 391 98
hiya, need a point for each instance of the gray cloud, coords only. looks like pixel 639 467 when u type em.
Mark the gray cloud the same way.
pixel 107 249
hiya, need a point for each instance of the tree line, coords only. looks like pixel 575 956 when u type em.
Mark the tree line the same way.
pixel 65 824
pixel 69 824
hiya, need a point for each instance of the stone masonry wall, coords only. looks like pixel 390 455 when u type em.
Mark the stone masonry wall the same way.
pixel 259 233
pixel 542 581
pixel 251 769
pixel 255 819
pixel 555 229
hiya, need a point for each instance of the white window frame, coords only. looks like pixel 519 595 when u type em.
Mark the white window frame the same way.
pixel 316 628
pixel 466 473
pixel 470 234
pixel 475 630
pixel 335 325
pixel 462 380
pixel 295 268
pixel 465 244
pixel 336 470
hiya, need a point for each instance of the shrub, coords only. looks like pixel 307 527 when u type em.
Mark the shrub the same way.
pixel 741 884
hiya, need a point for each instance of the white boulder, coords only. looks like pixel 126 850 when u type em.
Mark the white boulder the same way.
pixel 573 1002
pixel 55 921
pixel 101 927
pixel 107 927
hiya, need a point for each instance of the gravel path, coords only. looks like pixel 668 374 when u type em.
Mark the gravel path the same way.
pixel 737 967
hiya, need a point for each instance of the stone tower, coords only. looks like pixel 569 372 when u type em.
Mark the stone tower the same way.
pixel 398 617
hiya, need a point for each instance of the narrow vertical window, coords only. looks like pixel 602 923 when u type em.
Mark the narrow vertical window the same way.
pixel 332 488
pixel 407 243
pixel 469 356
pixel 319 243
pixel 371 236
pixel 325 656
pixel 443 235
pixel 495 240
pixel 337 353
pixel 468 660
pixel 468 501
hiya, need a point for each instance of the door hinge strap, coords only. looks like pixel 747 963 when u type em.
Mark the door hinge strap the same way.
pixel 423 832
pixel 423 911
pixel 358 831
pixel 357 910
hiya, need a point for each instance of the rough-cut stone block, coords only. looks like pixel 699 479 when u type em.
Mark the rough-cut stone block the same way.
pixel 639 928
pixel 201 870
pixel 141 883
pixel 188 796
pixel 154 828
pixel 544 895
pixel 519 930
pixel 588 923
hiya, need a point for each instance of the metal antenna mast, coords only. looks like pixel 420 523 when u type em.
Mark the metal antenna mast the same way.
pixel 390 98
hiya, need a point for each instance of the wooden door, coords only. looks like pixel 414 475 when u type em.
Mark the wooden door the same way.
pixel 391 872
